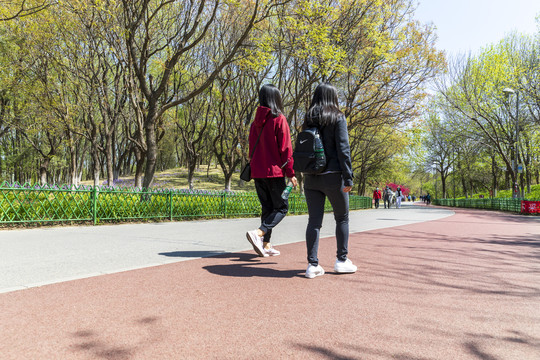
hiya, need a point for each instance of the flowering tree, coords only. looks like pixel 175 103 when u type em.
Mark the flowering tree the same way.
pixel 394 187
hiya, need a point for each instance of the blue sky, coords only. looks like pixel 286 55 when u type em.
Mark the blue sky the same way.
pixel 465 26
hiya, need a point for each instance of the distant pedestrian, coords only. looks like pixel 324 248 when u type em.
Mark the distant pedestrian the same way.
pixel 334 183
pixel 270 152
pixel 399 197
pixel 428 199
pixel 387 196
pixel 377 197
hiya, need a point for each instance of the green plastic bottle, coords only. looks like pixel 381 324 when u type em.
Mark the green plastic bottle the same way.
pixel 285 194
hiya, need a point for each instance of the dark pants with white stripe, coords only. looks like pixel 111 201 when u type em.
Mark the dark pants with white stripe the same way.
pixel 274 208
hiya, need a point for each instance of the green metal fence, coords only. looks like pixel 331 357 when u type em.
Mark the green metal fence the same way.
pixel 503 204
pixel 51 203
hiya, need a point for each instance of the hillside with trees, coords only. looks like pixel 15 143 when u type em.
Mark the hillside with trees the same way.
pixel 102 90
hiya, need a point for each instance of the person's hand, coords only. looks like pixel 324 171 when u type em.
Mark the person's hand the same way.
pixel 347 189
pixel 294 181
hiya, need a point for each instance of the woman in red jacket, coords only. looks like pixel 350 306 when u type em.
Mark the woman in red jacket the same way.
pixel 377 197
pixel 271 162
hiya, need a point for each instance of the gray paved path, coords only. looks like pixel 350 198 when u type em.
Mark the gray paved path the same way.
pixel 36 257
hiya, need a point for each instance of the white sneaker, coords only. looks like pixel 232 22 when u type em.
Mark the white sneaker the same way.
pixel 256 241
pixel 271 251
pixel 314 271
pixel 344 266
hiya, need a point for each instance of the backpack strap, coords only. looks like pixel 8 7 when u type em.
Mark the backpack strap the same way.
pixel 257 142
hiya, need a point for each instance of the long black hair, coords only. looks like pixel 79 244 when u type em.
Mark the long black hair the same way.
pixel 324 108
pixel 270 97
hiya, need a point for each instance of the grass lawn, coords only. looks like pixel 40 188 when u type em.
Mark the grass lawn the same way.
pixel 204 179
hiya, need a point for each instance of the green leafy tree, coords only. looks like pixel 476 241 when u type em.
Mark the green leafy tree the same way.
pixel 163 37
pixel 474 90
pixel 389 59
pixel 14 9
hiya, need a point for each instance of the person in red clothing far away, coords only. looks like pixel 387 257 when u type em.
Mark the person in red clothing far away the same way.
pixel 270 152
pixel 377 197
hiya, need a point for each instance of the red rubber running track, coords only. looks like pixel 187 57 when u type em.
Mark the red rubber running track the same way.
pixel 463 287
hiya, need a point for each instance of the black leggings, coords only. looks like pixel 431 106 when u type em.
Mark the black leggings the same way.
pixel 317 188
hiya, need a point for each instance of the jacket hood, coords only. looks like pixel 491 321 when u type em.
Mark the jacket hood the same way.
pixel 261 115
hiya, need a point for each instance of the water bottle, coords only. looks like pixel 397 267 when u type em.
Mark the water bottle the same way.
pixel 320 157
pixel 285 194
pixel 319 150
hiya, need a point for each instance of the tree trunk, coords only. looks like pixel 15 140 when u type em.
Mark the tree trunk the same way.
pixel 114 146
pixel 521 193
pixel 74 170
pixel 139 167
pixel 73 160
pixel 95 167
pixel 109 160
pixel 361 188
pixel 443 185
pixel 494 184
pixel 178 154
pixel 191 172
pixel 43 168
pixel 228 177
pixel 151 152
pixel 362 182
pixel 125 164
pixel 529 180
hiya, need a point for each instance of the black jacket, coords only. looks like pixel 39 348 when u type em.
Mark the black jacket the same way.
pixel 336 148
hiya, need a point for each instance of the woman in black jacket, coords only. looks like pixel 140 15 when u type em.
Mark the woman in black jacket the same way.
pixel 334 183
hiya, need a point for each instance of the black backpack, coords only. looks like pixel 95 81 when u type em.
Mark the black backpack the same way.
pixel 308 155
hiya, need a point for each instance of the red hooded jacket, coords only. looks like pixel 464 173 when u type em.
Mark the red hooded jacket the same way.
pixel 273 155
